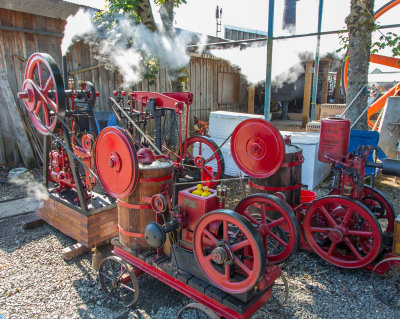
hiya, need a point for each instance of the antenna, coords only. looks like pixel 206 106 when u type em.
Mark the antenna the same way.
pixel 218 18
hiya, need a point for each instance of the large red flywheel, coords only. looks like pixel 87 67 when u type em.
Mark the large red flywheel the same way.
pixel 43 92
pixel 343 231
pixel 116 161
pixel 229 251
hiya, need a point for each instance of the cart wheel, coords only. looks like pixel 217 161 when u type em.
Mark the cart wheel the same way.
pixel 118 281
pixel 197 311
pixel 276 223
pixel 200 152
pixel 280 294
pixel 386 281
pixel 343 232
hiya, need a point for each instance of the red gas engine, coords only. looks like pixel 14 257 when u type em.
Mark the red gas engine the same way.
pixel 216 256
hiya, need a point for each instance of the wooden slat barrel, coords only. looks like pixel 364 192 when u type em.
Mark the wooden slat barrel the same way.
pixel 286 180
pixel 135 212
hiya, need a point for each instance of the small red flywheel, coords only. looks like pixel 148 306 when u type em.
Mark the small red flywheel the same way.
pixel 257 148
pixel 116 161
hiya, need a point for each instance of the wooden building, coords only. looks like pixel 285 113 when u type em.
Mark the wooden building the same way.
pixel 37 26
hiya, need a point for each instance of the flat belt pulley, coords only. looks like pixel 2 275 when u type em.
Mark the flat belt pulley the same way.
pixel 116 161
pixel 257 148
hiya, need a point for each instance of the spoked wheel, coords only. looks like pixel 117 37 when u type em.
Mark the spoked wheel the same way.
pixel 196 310
pixel 276 223
pixel 118 281
pixel 343 231
pixel 280 294
pixel 379 205
pixel 229 251
pixel 200 152
pixel 387 285
pixel 43 92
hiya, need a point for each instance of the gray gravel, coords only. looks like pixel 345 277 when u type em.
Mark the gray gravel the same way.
pixel 36 282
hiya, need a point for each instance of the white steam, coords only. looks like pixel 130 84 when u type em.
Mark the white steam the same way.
pixel 124 47
pixel 77 27
pixel 33 188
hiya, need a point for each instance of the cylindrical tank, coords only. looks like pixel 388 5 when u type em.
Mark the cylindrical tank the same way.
pixel 334 139
pixel 135 212
pixel 287 178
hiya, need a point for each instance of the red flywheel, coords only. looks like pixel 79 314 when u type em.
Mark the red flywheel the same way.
pixel 116 161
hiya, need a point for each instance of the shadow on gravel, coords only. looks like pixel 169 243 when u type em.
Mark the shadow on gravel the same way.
pixel 14 237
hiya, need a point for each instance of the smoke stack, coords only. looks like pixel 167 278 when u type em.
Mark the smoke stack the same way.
pixel 65 71
pixel 289 16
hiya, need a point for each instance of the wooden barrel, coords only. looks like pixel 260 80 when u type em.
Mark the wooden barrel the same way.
pixel 286 180
pixel 135 212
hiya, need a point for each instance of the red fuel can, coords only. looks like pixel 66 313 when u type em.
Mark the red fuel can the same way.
pixel 334 139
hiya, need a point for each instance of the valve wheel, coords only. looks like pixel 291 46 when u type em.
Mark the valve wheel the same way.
pixel 159 203
pixel 201 151
pixel 116 161
pixel 87 142
pixel 379 205
pixel 118 281
pixel 385 279
pixel 233 257
pixel 42 70
pixel 276 223
pixel 343 231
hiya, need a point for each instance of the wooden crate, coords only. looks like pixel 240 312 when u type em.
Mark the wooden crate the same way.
pixel 89 228
pixel 331 110
pixel 314 126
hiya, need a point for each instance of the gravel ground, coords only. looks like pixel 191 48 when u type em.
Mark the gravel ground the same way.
pixel 36 282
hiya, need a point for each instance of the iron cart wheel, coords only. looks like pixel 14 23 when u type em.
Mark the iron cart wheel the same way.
pixel 229 251
pixel 386 281
pixel 43 92
pixel 276 223
pixel 118 281
pixel 343 231
pixel 201 152
pixel 196 310
pixel 280 294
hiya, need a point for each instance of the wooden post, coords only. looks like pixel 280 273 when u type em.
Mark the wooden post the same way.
pixel 337 85
pixel 250 104
pixel 325 78
pixel 307 93
pixel 17 127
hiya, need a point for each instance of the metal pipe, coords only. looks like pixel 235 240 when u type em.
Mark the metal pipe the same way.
pixel 65 71
pixel 52 34
pixel 267 100
pixel 284 37
pixel 316 62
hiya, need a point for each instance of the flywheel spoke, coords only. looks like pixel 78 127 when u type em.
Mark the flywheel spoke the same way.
pixel 227 274
pixel 359 233
pixel 328 216
pixel 225 231
pixel 242 265
pixel 210 236
pixel 38 107
pixel 276 222
pixel 352 248
pixel 347 217
pixel 240 245
pixel 127 287
pixel 319 229
pixel 278 239
pixel 40 74
pixel 332 248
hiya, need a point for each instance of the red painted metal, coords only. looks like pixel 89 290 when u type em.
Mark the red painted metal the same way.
pixel 146 155
pixel 343 231
pixel 87 142
pixel 214 251
pixel 156 179
pixel 42 73
pixel 377 203
pixel 116 161
pixel 133 206
pixel 334 139
pixel 274 189
pixel 207 154
pixel 192 293
pixel 257 148
pixel 276 223
pixel 130 234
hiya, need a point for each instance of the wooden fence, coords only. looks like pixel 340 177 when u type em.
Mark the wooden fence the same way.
pixel 22 34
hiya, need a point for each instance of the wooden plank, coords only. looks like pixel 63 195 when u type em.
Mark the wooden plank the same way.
pixel 16 125
pixel 324 91
pixel 32 222
pixel 74 251
pixel 307 94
